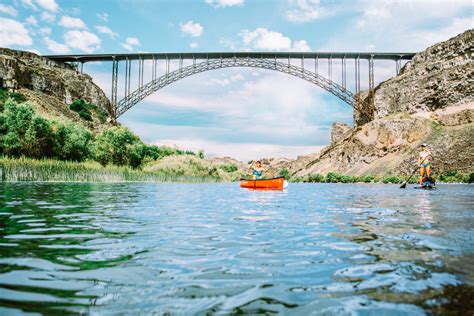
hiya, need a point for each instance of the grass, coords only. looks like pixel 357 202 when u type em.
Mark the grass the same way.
pixel 26 169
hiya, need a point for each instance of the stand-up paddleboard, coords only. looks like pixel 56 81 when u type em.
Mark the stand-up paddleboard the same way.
pixel 264 184
pixel 425 187
pixel 428 184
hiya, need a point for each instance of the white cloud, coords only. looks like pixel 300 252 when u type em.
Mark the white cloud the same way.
pixel 45 31
pixel 49 5
pixel 72 23
pixel 225 3
pixel 301 11
pixel 263 39
pixel 401 26
pixel 192 29
pixel 7 9
pixel 55 47
pixel 48 17
pixel 29 4
pixel 103 16
pixel 13 33
pixel 300 46
pixel 32 20
pixel 34 51
pixel 237 77
pixel 225 81
pixel 130 43
pixel 83 40
pixel 105 30
pixel 193 45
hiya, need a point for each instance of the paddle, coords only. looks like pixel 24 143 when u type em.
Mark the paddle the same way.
pixel 404 185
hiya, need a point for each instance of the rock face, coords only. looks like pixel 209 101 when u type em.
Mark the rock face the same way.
pixel 339 131
pixel 47 84
pixel 440 76
pixel 431 101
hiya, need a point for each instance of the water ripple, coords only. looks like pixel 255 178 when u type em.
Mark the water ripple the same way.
pixel 217 249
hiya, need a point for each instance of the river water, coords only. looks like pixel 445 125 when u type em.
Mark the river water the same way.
pixel 330 249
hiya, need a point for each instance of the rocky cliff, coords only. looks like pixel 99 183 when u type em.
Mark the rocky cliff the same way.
pixel 431 101
pixel 48 85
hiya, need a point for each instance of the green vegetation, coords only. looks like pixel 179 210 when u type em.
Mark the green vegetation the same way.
pixel 456 177
pixel 229 168
pixel 26 169
pixel 25 134
pixel 284 173
pixel 5 95
pixel 333 177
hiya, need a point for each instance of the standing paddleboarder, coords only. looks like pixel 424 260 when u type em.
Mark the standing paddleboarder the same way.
pixel 424 162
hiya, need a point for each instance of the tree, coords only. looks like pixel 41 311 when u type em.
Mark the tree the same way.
pixel 119 146
pixel 72 142
pixel 25 133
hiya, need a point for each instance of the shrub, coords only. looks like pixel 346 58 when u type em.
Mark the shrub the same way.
pixel 367 179
pixel 391 179
pixel 15 96
pixel 72 142
pixel 119 146
pixel 316 177
pixel 83 109
pixel 284 173
pixel 470 179
pixel 25 133
pixel 451 173
pixel 229 168
pixel 333 177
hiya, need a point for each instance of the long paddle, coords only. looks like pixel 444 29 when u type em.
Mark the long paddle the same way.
pixel 404 185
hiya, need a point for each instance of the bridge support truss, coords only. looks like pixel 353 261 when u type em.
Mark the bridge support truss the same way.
pixel 192 63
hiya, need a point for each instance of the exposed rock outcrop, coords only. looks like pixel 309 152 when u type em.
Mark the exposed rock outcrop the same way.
pixel 431 101
pixel 48 85
pixel 440 76
pixel 339 131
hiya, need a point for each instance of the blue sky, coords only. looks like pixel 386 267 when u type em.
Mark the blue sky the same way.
pixel 244 113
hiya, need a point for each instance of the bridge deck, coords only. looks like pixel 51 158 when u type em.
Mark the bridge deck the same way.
pixel 213 55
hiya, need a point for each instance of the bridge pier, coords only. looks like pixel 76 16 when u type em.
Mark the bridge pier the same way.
pixel 113 110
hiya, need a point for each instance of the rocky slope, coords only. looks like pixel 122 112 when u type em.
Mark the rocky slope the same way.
pixel 431 101
pixel 48 85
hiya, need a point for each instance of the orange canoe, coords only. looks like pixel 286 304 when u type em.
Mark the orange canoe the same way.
pixel 269 184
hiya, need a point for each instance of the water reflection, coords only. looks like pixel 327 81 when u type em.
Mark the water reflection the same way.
pixel 215 248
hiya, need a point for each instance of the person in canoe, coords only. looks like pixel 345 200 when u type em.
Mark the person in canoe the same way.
pixel 257 169
pixel 424 162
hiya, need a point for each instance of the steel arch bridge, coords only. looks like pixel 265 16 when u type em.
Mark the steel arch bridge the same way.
pixel 202 62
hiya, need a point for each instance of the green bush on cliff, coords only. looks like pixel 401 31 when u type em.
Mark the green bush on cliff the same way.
pixel 15 96
pixel 83 109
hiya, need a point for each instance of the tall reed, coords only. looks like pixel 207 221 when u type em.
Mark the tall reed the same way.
pixel 26 169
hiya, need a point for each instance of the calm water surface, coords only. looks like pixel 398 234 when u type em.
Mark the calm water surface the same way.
pixel 330 249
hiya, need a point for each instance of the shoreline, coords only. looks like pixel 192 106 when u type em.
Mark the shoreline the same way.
pixel 13 170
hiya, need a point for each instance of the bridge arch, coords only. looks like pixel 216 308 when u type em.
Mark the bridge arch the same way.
pixel 151 87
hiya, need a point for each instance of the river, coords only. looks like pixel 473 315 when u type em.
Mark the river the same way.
pixel 329 249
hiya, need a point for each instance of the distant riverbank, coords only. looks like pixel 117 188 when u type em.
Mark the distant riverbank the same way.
pixel 27 169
